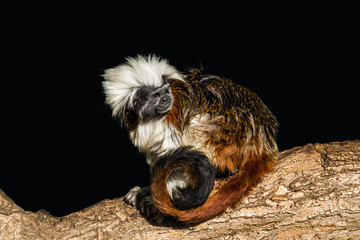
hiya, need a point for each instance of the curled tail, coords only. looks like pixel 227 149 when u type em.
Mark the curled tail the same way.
pixel 206 207
pixel 184 177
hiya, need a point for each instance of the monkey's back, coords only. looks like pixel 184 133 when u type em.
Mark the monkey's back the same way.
pixel 226 121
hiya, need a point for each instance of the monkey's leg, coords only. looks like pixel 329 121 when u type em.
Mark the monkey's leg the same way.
pixel 185 177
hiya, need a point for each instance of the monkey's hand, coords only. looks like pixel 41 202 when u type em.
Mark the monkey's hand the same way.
pixel 130 197
pixel 141 199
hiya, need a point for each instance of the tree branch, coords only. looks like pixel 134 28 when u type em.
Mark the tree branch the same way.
pixel 312 194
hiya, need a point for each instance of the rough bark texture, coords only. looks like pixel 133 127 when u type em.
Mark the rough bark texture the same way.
pixel 312 194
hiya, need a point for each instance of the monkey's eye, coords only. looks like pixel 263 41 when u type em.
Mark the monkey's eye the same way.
pixel 135 103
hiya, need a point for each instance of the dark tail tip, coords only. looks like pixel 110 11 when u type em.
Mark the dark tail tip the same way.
pixel 192 177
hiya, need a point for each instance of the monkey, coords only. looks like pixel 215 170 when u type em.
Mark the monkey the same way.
pixel 191 126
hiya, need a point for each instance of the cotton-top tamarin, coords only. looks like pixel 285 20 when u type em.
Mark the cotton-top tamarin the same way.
pixel 190 126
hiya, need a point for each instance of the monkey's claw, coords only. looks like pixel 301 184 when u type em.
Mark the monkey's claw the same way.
pixel 130 197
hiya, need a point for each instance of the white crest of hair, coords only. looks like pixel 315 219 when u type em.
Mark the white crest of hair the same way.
pixel 123 81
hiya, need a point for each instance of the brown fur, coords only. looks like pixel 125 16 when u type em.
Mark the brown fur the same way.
pixel 238 136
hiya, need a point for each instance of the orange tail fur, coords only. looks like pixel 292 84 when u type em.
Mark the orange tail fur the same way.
pixel 227 196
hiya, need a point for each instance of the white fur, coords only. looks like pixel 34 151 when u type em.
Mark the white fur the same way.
pixel 123 81
pixel 155 138
pixel 194 133
pixel 177 180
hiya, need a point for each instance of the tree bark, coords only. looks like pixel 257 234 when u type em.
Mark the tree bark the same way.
pixel 312 194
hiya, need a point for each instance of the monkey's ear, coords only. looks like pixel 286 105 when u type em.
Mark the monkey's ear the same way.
pixel 168 80
pixel 165 80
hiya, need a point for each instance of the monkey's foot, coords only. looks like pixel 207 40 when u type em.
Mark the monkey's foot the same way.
pixel 147 208
pixel 130 197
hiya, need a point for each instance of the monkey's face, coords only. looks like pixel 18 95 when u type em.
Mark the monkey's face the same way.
pixel 151 102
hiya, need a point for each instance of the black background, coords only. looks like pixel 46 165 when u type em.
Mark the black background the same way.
pixel 61 148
